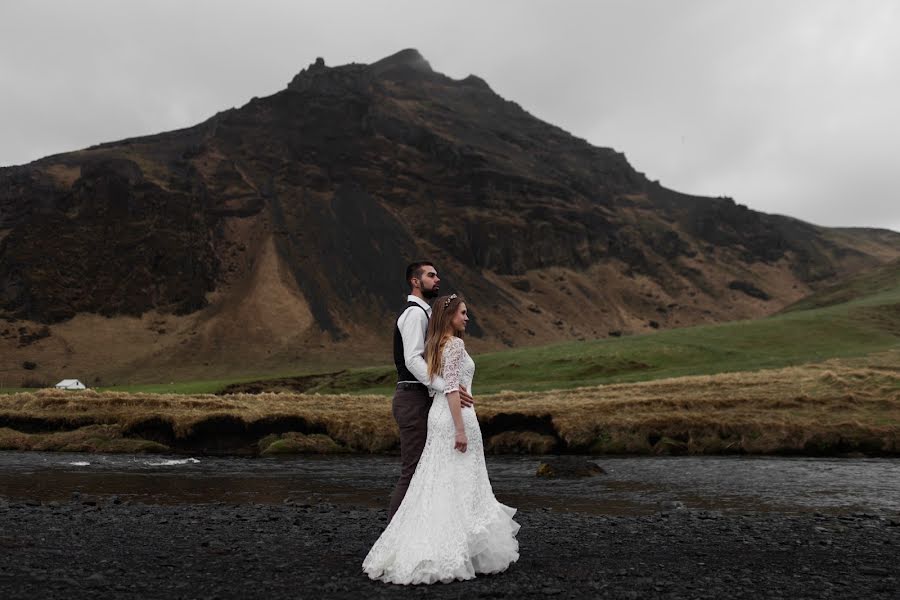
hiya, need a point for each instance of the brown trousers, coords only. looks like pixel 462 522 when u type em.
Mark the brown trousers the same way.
pixel 410 409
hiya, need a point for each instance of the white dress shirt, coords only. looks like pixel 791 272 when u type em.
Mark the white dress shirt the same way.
pixel 413 324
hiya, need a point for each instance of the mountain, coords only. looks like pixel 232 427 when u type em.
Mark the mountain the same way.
pixel 273 237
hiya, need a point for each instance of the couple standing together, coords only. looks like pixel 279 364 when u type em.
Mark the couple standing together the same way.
pixel 445 523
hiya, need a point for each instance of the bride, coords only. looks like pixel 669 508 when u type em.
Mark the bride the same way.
pixel 449 526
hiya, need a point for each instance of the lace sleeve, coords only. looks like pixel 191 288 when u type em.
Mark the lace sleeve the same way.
pixel 453 358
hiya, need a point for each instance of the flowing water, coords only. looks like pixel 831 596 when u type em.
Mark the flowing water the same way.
pixel 630 486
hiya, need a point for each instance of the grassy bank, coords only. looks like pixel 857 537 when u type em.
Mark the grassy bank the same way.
pixel 837 407
pixel 784 340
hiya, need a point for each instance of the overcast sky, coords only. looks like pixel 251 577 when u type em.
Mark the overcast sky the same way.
pixel 788 106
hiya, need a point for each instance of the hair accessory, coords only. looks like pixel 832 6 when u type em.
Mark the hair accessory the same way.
pixel 449 300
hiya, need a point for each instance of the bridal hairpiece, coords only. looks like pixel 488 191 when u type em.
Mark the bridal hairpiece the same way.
pixel 449 299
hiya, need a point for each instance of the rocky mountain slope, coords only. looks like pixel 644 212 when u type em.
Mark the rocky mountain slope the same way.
pixel 273 237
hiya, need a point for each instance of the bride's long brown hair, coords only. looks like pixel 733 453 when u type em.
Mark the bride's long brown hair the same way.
pixel 440 330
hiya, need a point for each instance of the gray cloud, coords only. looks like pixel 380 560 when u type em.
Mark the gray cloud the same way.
pixel 787 107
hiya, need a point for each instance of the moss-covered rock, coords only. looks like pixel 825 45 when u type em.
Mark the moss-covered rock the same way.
pixel 293 442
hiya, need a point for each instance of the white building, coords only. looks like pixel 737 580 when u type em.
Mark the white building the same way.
pixel 70 384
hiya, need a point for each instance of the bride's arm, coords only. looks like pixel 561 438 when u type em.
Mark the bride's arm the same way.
pixel 462 441
pixel 450 373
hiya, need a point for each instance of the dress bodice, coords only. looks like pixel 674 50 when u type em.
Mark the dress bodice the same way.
pixel 458 367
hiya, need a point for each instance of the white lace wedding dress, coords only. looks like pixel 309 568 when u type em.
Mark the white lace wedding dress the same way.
pixel 449 526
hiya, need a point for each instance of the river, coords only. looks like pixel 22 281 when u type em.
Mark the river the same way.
pixel 630 486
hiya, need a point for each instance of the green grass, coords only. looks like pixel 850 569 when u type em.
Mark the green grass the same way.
pixel 214 386
pixel 210 386
pixel 14 390
pixel 863 325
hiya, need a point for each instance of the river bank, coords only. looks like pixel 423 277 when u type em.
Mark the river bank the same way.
pixel 816 410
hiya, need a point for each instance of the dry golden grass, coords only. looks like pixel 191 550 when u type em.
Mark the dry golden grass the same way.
pixel 831 408
pixel 801 409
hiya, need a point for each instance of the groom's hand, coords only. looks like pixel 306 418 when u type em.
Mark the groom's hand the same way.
pixel 465 398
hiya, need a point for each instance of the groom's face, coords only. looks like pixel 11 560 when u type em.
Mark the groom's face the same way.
pixel 429 282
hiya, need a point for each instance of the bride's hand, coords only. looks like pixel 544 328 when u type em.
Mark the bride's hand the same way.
pixel 462 442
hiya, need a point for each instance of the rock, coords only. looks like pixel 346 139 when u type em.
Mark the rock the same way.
pixel 521 284
pixel 29 336
pixel 749 289
pixel 865 515
pixel 565 466
pixel 672 505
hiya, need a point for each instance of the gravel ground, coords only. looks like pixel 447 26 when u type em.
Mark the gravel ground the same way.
pixel 100 547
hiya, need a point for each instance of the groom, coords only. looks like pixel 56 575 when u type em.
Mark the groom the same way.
pixel 412 398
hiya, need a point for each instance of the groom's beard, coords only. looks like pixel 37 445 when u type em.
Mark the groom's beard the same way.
pixel 430 294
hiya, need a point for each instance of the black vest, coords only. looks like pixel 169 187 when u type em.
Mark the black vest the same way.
pixel 403 373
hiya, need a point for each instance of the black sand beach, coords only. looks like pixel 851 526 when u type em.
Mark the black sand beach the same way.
pixel 90 547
